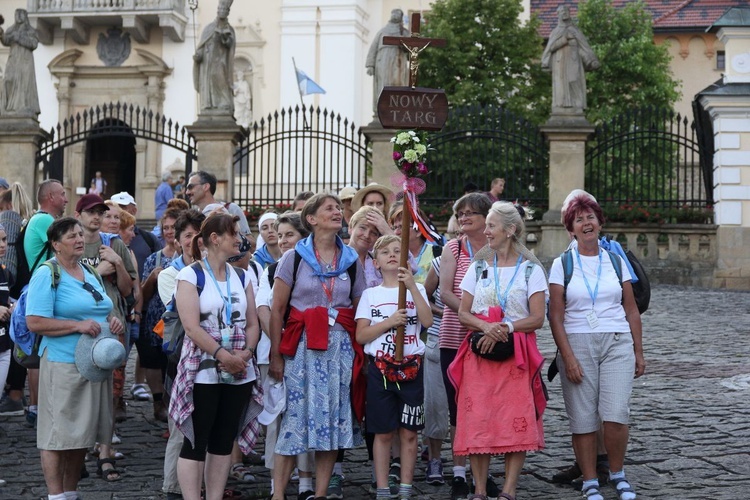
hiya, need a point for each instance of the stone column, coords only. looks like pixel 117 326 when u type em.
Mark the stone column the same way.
pixel 216 141
pixel 567 164
pixel 729 114
pixel 382 153
pixel 20 138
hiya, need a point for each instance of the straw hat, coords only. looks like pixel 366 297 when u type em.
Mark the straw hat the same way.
pixel 374 187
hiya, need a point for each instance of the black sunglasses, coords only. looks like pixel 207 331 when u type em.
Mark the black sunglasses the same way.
pixel 93 291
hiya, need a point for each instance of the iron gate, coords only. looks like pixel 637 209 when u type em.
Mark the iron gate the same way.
pixel 112 120
pixel 298 149
pixel 481 143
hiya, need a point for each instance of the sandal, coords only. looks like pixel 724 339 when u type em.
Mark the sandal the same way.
pixel 230 493
pixel 140 392
pixel 593 493
pixel 241 473
pixel 507 496
pixel 110 475
pixel 624 492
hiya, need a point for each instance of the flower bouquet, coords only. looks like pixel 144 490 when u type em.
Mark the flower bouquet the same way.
pixel 410 152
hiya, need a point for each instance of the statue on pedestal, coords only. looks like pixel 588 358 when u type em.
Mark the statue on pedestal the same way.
pixel 388 64
pixel 568 55
pixel 213 74
pixel 19 96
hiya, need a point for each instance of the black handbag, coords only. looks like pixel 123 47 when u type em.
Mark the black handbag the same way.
pixel 500 352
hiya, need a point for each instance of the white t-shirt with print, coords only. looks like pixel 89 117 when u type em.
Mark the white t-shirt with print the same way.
pixel 485 294
pixel 378 304
pixel 608 305
pixel 213 315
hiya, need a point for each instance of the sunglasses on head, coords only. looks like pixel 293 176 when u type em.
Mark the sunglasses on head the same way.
pixel 93 291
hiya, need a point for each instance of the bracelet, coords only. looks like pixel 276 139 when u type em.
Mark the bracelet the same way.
pixel 510 326
pixel 251 349
pixel 217 351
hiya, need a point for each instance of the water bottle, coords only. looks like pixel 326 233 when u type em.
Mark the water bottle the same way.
pixel 224 376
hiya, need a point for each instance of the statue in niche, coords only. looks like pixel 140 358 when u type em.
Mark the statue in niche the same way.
pixel 568 55
pixel 388 64
pixel 243 100
pixel 213 73
pixel 19 96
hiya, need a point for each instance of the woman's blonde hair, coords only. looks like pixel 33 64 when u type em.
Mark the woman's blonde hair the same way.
pixel 361 215
pixel 126 220
pixel 18 200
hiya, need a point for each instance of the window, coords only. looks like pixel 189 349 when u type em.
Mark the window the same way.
pixel 721 60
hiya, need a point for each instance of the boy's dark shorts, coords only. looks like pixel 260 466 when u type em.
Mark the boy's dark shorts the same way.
pixel 391 406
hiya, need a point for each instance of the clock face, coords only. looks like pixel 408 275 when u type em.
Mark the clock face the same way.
pixel 741 63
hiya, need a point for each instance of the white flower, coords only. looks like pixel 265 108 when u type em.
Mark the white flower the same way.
pixel 412 133
pixel 420 149
pixel 415 139
pixel 403 138
pixel 410 155
pixel 393 139
pixel 531 188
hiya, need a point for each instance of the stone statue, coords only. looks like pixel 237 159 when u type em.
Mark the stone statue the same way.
pixel 568 55
pixel 19 95
pixel 243 100
pixel 388 64
pixel 213 73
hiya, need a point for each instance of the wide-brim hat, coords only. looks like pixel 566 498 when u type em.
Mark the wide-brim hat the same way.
pixel 96 357
pixel 274 400
pixel 371 188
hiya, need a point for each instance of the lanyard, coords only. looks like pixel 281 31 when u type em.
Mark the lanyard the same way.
pixel 469 249
pixel 504 299
pixel 228 299
pixel 332 282
pixel 593 294
pixel 421 251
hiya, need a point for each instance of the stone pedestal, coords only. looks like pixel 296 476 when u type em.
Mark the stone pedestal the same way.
pixel 382 153
pixel 567 135
pixel 216 139
pixel 20 138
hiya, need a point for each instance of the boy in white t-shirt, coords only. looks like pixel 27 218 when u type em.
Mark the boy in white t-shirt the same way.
pixel 393 406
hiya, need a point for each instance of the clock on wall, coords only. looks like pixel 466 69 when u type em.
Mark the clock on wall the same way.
pixel 741 63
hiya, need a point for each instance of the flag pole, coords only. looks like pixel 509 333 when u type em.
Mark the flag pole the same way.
pixel 296 78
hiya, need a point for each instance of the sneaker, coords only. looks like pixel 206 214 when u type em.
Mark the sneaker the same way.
pixel 459 489
pixel 394 484
pixel 492 490
pixel 393 488
pixel 335 489
pixel 116 439
pixel 435 472
pixel 306 495
pixel 31 419
pixel 395 471
pixel 10 407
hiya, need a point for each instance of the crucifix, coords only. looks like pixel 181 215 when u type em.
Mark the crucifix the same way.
pixel 414 44
pixel 413 108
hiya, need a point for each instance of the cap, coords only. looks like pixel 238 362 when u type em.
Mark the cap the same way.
pixel 123 199
pixel 89 201
pixel 4 183
pixel 347 193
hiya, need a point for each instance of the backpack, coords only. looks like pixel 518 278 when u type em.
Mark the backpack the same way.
pixel 23 269
pixel 173 331
pixel 641 289
pixel 26 349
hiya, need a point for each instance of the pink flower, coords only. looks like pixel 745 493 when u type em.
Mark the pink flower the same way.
pixel 422 169
pixel 396 155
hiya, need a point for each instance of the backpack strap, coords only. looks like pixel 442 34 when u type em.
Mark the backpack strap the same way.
pixel 567 263
pixel 254 266
pixel 42 253
pixel 529 270
pixel 200 276
pixel 272 273
pixel 54 268
pixel 351 271
pixel 617 264
pixel 240 274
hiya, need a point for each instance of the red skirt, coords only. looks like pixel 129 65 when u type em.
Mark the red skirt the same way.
pixel 496 412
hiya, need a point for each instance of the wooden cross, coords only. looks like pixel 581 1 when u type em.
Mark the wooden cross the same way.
pixel 414 44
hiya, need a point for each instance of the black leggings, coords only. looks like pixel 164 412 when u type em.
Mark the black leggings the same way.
pixel 216 419
pixel 446 358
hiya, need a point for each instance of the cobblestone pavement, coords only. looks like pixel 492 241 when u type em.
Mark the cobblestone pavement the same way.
pixel 689 438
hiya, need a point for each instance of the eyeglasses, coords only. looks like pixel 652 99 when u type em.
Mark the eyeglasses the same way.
pixel 191 186
pixel 460 215
pixel 98 212
pixel 93 291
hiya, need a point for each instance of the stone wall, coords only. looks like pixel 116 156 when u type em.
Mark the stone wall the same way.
pixel 675 254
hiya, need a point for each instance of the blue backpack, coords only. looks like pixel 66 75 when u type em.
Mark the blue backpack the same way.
pixel 26 350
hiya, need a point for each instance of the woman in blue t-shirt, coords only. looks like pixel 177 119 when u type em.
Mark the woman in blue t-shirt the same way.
pixel 74 412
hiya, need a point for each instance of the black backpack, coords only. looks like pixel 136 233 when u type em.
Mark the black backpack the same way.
pixel 23 273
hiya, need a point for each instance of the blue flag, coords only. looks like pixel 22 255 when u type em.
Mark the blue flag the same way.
pixel 307 85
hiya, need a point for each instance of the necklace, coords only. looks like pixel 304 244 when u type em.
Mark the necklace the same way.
pixel 329 266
